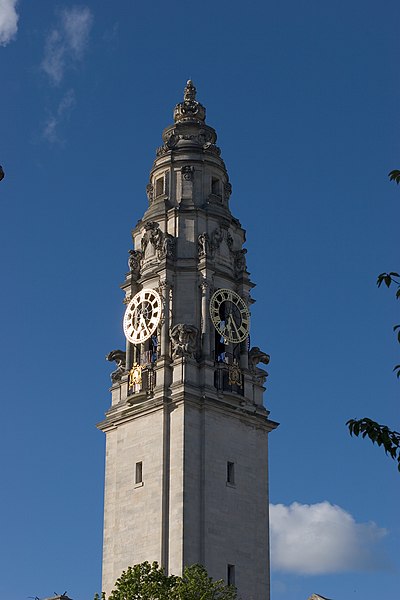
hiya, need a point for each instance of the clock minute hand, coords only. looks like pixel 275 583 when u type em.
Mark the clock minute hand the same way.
pixel 232 320
pixel 143 324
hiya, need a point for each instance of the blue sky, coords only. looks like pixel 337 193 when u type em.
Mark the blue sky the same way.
pixel 305 100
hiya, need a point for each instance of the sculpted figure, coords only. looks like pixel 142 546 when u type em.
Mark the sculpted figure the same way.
pixel 216 238
pixel 134 261
pixel 119 357
pixel 184 340
pixel 256 356
pixel 240 261
pixel 203 244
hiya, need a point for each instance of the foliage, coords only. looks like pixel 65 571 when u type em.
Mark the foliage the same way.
pixel 381 434
pixel 195 584
pixel 149 582
pixel 395 175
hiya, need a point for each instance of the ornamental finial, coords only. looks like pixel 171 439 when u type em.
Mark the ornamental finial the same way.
pixel 189 93
pixel 189 109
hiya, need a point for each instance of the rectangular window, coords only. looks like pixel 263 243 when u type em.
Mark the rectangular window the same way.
pixel 231 575
pixel 215 186
pixel 230 472
pixel 139 472
pixel 159 186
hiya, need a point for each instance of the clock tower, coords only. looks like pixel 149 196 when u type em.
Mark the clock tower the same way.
pixel 187 433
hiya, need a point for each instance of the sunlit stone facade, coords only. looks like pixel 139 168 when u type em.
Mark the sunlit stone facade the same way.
pixel 187 433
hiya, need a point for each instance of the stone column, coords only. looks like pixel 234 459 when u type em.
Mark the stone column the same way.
pixel 205 329
pixel 165 292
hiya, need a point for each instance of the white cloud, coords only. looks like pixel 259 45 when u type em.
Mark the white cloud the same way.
pixel 313 539
pixel 8 21
pixel 65 106
pixel 67 42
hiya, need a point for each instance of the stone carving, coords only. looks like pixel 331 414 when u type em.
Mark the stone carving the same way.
pixel 167 246
pixel 163 243
pixel 227 191
pixel 127 298
pixel 135 261
pixel 184 340
pixel 152 234
pixel 229 240
pixel 150 192
pixel 256 356
pixel 119 357
pixel 240 261
pixel 188 173
pixel 203 244
pixel 235 375
pixel 204 285
pixel 204 137
pixel 216 238
pixel 189 109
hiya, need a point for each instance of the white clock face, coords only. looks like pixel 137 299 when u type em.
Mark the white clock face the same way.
pixel 230 315
pixel 142 316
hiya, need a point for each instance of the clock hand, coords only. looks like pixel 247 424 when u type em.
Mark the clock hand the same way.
pixel 234 326
pixel 143 324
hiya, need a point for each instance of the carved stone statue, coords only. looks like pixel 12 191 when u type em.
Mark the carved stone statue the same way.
pixel 167 248
pixel 134 261
pixel 203 244
pixel 227 191
pixel 240 261
pixel 256 356
pixel 184 340
pixel 119 357
pixel 216 238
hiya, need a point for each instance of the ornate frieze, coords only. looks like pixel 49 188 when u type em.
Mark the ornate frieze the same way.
pixel 184 339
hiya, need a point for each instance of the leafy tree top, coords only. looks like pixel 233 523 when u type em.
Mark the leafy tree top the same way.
pixel 147 581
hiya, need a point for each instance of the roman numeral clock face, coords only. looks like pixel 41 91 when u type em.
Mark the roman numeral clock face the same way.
pixel 142 316
pixel 230 315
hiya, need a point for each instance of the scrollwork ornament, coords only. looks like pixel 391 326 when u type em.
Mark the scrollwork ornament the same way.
pixel 150 192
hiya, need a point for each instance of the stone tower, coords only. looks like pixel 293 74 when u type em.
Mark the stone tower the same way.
pixel 187 433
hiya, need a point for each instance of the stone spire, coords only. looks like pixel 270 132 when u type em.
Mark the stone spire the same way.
pixel 190 109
